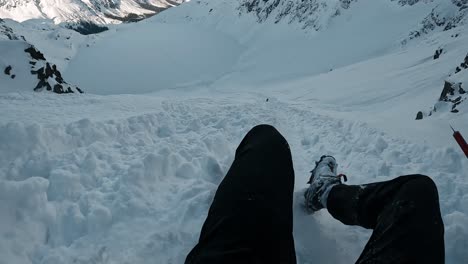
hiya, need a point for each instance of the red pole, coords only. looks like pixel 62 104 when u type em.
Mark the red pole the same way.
pixel 461 141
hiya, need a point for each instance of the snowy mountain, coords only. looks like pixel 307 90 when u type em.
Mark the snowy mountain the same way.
pixel 23 62
pixel 96 11
pixel 310 13
pixel 25 68
pixel 318 13
pixel 125 172
pixel 59 44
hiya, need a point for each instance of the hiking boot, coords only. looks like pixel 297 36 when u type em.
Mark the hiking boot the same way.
pixel 324 177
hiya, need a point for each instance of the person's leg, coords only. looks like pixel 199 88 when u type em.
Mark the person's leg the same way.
pixel 404 214
pixel 250 219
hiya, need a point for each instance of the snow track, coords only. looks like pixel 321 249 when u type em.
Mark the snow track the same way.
pixel 136 188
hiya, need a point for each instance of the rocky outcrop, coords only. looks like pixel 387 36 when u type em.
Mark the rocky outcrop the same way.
pixel 409 2
pixel 442 17
pixel 86 28
pixel 8 33
pixel 35 54
pixel 7 70
pixel 438 53
pixel 463 65
pixel 454 95
pixel 48 76
pixel 309 13
pixel 451 97
pixel 419 115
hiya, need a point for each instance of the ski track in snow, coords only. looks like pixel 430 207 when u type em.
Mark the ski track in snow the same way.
pixel 137 188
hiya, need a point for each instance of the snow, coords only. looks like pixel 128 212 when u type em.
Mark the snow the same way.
pixel 125 173
pixel 177 61
pixel 59 44
pixel 13 55
pixel 137 187
pixel 61 11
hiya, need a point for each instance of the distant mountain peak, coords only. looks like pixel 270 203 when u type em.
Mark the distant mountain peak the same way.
pixel 310 13
pixel 96 11
pixel 317 13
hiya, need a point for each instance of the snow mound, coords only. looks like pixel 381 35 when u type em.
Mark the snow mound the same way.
pixel 79 191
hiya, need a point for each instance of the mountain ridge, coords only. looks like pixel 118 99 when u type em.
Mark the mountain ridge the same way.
pixel 96 11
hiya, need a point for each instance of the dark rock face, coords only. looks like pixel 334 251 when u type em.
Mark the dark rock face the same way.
pixel 463 65
pixel 7 70
pixel 431 22
pixel 407 2
pixel 130 18
pixel 48 73
pixel 35 54
pixel 438 53
pixel 454 94
pixel 310 12
pixel 58 89
pixel 419 116
pixel 440 18
pixel 447 91
pixel 306 12
pixel 460 3
pixel 87 28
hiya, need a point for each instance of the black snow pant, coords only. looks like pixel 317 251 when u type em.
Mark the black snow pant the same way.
pixel 251 219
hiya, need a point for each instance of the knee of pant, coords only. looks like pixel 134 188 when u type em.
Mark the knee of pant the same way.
pixel 260 136
pixel 264 127
pixel 265 131
pixel 425 184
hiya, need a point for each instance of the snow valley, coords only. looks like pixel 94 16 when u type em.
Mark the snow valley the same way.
pixel 112 144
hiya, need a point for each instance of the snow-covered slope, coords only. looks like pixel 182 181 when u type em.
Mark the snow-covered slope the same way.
pixel 129 178
pixel 263 51
pixel 59 44
pixel 125 173
pixel 25 68
pixel 97 11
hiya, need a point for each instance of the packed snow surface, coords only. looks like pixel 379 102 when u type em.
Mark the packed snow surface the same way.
pixel 126 172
